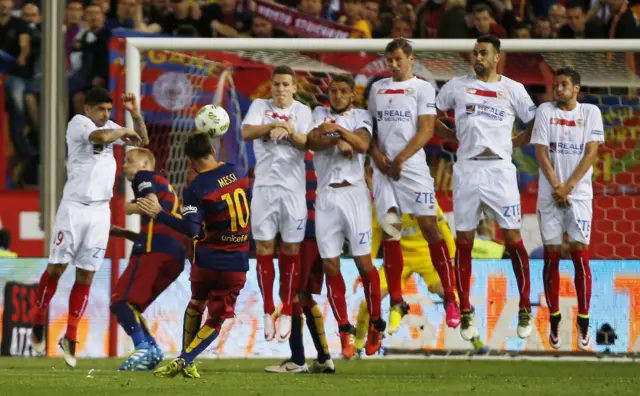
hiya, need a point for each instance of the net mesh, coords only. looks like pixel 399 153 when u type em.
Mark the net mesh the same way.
pixel 176 84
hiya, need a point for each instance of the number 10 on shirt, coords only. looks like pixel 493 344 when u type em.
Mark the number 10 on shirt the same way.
pixel 238 208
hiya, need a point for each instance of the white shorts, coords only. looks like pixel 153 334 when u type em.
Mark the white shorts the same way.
pixel 574 220
pixel 80 235
pixel 486 185
pixel 277 210
pixel 412 194
pixel 341 213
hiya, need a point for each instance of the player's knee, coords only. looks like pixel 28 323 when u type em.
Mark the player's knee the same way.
pixel 290 249
pixel 429 228
pixel 577 246
pixel 83 276
pixel 56 270
pixel 511 236
pixel 331 267
pixel 553 248
pixel 265 248
pixel 364 264
pixel 391 225
pixel 465 236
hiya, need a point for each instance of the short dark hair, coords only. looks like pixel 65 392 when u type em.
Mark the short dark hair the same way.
pixel 283 69
pixel 343 78
pixel 478 8
pixel 491 39
pixel 96 96
pixel 399 43
pixel 571 73
pixel 571 4
pixel 198 146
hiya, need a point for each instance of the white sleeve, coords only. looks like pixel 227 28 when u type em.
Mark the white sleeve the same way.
pixel 79 129
pixel 594 128
pixel 372 101
pixel 364 121
pixel 317 117
pixel 426 100
pixel 446 96
pixel 525 108
pixel 304 119
pixel 540 133
pixel 255 113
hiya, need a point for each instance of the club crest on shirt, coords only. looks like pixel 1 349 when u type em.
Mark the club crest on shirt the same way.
pixel 580 122
pixel 281 117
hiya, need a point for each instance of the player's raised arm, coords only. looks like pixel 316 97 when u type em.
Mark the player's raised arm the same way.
pixel 130 103
pixel 526 110
pixel 192 215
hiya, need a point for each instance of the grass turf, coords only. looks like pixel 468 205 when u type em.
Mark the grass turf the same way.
pixel 49 377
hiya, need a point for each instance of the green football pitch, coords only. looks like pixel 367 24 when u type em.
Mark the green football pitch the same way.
pixel 26 377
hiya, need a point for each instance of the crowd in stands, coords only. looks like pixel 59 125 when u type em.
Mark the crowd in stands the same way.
pixel 89 25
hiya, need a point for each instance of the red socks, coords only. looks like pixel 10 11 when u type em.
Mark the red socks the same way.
pixel 371 283
pixel 289 276
pixel 582 280
pixel 266 277
pixel 442 263
pixel 463 274
pixel 46 289
pixel 551 278
pixel 336 290
pixel 520 263
pixel 393 265
pixel 77 304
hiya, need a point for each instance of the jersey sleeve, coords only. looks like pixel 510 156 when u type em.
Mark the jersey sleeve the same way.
pixel 80 128
pixel 191 222
pixel 540 134
pixel 143 184
pixel 364 121
pixel 255 113
pixel 317 117
pixel 426 100
pixel 304 120
pixel 595 129
pixel 525 108
pixel 445 99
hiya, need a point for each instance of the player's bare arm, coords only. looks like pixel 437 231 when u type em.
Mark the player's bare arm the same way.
pixel 523 138
pixel 252 132
pixel 562 191
pixel 442 130
pixel 299 140
pixel 318 140
pixel 120 232
pixel 130 103
pixel 107 136
pixel 379 158
pixel 360 140
pixel 133 208
pixel 426 126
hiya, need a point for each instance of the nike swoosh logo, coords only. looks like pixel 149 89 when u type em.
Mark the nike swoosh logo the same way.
pixel 292 369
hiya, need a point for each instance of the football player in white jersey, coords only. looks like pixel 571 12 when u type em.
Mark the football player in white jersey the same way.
pixel 343 205
pixel 405 113
pixel 278 129
pixel 566 135
pixel 81 229
pixel 484 178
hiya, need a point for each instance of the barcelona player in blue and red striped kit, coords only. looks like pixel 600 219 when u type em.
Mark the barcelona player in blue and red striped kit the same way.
pixel 215 214
pixel 157 259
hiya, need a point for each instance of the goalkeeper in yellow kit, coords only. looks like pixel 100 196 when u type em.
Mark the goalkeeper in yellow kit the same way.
pixel 417 259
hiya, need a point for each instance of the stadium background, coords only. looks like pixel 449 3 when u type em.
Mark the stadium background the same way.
pixel 169 99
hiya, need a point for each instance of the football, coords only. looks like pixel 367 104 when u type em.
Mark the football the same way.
pixel 212 120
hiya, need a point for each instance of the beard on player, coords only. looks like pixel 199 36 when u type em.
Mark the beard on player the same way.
pixel 485 59
pixel 565 92
pixel 341 96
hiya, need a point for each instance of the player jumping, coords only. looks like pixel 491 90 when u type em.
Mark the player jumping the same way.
pixel 277 128
pixel 417 259
pixel 157 259
pixel 216 215
pixel 485 108
pixel 343 205
pixel 81 229
pixel 405 113
pixel 567 135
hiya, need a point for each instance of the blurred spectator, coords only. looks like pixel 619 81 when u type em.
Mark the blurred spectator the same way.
pixel 483 23
pixel 125 12
pixel 264 29
pixel 31 15
pixel 225 20
pixel 402 28
pixel 623 23
pixel 15 41
pixel 577 25
pixel 73 47
pixel 453 22
pixel 311 7
pixel 352 13
pixel 5 243
pixel 179 20
pixel 105 5
pixel 542 28
pixel 522 31
pixel 558 17
pixel 371 13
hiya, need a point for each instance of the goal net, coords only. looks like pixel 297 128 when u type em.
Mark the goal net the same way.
pixel 175 77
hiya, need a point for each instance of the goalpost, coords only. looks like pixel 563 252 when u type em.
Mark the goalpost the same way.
pixel 198 71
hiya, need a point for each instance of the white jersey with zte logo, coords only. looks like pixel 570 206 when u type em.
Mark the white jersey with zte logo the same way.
pixel 485 112
pixel 567 133
pixel 91 168
pixel 278 163
pixel 331 165
pixel 396 106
